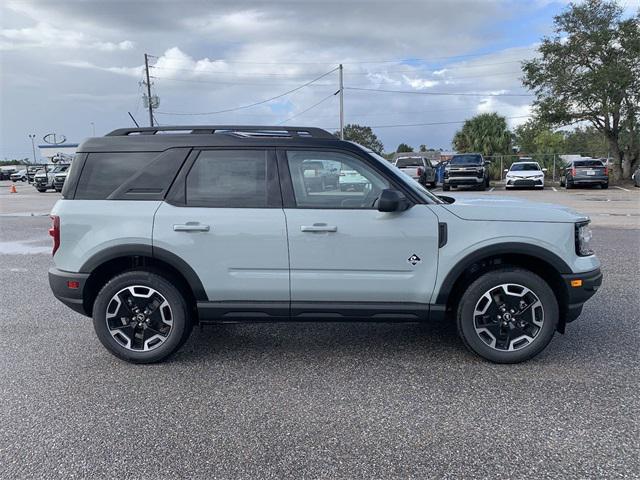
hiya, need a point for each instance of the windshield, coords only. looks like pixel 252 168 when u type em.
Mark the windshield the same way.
pixel 472 159
pixel 409 162
pixel 525 167
pixel 415 186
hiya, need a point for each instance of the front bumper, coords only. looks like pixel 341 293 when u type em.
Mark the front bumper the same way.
pixel 464 180
pixel 71 297
pixel 580 288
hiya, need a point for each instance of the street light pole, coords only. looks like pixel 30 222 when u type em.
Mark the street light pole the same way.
pixel 33 148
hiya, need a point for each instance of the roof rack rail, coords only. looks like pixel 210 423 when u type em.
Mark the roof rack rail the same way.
pixel 242 130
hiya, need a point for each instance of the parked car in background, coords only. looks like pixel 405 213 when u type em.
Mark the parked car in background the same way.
pixel 19 176
pixel 525 174
pixel 7 171
pixel 468 169
pixel 214 224
pixel 43 179
pixel 584 172
pixel 636 177
pixel 58 180
pixel 419 168
pixel 320 175
pixel 32 170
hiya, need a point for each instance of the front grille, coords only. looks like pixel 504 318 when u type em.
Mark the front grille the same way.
pixel 463 174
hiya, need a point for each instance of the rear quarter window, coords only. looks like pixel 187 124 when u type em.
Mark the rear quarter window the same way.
pixel 103 173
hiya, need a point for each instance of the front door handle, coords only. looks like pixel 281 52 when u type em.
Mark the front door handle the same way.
pixel 191 227
pixel 319 227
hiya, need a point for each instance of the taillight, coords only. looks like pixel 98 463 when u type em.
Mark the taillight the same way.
pixel 54 231
pixel 606 170
pixel 573 171
pixel 420 171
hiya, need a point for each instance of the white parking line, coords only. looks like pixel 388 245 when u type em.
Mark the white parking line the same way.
pixel 554 189
pixel 492 189
pixel 620 188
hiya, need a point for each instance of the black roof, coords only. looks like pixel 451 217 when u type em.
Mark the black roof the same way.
pixel 157 139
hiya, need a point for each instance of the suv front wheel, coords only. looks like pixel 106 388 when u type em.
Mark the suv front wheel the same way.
pixel 507 315
pixel 140 317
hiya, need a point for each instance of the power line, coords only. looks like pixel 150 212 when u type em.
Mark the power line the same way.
pixel 441 93
pixel 310 108
pixel 255 103
pixel 436 123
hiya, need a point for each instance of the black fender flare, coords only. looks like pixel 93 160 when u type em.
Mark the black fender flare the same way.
pixel 145 250
pixel 506 248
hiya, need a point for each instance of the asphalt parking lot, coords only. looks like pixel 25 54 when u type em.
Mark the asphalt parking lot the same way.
pixel 319 400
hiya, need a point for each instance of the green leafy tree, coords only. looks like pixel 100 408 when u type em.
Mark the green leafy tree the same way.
pixel 589 71
pixel 486 133
pixel 423 148
pixel 362 135
pixel 403 147
pixel 524 136
pixel 549 142
pixel 587 141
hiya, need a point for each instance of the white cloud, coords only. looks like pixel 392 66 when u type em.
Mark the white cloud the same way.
pixel 44 35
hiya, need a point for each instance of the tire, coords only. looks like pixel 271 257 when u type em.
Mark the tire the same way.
pixel 58 190
pixel 432 185
pixel 41 190
pixel 605 186
pixel 569 185
pixel 446 188
pixel 492 347
pixel 177 333
pixel 561 182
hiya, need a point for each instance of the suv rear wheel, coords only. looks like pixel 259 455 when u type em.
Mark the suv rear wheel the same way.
pixel 507 315
pixel 140 317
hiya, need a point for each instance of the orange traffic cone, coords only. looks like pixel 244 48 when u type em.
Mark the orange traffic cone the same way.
pixel 13 189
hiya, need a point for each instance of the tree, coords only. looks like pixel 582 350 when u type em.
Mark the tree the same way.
pixel 403 147
pixel 587 141
pixel 362 135
pixel 486 133
pixel 589 71
pixel 524 136
pixel 423 148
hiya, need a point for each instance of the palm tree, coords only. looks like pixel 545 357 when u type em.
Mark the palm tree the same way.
pixel 486 133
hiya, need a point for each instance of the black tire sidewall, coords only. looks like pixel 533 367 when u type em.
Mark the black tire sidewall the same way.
pixel 181 322
pixel 473 293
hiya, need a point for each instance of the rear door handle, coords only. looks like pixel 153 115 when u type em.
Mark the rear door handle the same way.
pixel 191 227
pixel 319 227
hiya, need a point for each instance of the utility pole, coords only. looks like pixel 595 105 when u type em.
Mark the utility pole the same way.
pixel 146 67
pixel 341 104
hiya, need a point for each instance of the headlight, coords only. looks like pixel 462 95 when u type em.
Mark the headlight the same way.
pixel 583 239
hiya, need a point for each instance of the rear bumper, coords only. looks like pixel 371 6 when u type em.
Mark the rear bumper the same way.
pixel 71 297
pixel 577 295
pixel 590 179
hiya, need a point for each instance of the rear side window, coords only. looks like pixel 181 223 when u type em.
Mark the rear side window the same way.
pixel 228 178
pixel 103 173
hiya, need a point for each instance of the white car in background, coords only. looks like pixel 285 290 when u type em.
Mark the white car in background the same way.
pixel 525 174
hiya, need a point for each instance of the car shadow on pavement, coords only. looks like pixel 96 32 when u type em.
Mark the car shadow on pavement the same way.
pixel 319 338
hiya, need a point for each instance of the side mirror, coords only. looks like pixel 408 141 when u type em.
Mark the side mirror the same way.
pixel 392 201
pixel 506 170
pixel 544 169
pixel 487 162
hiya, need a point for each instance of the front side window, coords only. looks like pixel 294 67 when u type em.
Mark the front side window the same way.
pixel 344 182
pixel 228 178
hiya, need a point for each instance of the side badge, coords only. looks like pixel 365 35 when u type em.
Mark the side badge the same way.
pixel 414 259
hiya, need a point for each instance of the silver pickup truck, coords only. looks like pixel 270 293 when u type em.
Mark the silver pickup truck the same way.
pixel 419 168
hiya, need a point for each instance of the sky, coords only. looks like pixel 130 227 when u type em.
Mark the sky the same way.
pixel 72 67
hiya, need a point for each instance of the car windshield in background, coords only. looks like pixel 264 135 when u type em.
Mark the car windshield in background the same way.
pixel 524 167
pixel 409 162
pixel 588 163
pixel 466 160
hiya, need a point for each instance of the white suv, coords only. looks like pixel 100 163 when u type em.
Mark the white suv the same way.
pixel 156 233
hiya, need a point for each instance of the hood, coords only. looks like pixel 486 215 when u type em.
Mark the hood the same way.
pixel 525 173
pixel 511 209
